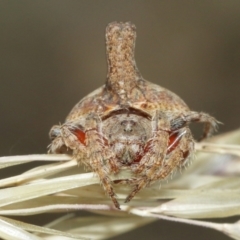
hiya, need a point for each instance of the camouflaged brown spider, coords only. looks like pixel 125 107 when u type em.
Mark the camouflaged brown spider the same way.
pixel 129 122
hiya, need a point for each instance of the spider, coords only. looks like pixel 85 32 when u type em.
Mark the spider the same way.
pixel 129 123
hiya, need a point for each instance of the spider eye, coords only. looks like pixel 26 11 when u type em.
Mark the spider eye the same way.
pixel 128 125
pixel 124 122
pixel 133 123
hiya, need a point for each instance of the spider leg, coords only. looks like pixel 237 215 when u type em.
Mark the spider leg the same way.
pixel 56 145
pixel 162 168
pixel 156 146
pixel 98 160
pixel 63 136
pixel 94 153
pixel 184 119
pixel 177 157
pixel 154 157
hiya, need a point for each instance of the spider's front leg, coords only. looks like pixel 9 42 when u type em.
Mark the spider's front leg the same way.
pixel 88 147
pixel 155 151
pixel 100 157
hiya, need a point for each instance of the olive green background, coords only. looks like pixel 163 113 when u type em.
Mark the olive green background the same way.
pixel 52 53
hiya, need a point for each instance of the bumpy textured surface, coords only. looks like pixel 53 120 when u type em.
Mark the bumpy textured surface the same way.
pixel 129 122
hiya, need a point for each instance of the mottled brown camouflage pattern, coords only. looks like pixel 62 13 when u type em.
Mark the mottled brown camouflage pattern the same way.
pixel 129 122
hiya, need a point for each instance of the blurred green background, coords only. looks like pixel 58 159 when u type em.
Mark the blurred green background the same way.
pixel 52 53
